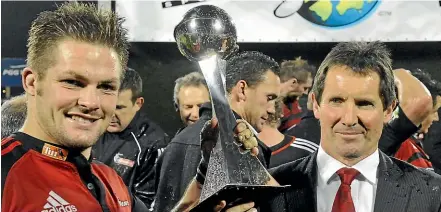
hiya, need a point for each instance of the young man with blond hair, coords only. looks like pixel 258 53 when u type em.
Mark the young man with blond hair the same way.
pixel 76 58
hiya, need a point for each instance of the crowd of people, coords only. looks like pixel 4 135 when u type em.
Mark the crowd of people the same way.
pixel 78 140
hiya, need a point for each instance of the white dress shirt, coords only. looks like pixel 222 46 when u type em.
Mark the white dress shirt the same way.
pixel 363 188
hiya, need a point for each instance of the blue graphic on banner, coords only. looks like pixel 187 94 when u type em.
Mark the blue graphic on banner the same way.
pixel 333 14
pixel 11 71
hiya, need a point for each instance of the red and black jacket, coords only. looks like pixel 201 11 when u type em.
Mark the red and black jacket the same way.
pixel 38 176
pixel 292 115
pixel 412 152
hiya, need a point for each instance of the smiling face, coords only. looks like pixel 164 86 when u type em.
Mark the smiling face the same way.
pixel 190 99
pixel 351 114
pixel 74 102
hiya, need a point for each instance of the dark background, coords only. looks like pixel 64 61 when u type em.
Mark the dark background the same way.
pixel 161 63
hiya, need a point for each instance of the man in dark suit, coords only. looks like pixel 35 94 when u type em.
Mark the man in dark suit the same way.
pixel 353 97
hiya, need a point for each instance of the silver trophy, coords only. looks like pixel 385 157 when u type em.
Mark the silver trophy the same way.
pixel 207 35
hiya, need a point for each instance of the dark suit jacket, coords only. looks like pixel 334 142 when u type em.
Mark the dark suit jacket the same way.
pixel 177 165
pixel 401 187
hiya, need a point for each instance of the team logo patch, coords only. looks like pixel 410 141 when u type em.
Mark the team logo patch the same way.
pixel 57 204
pixel 123 161
pixel 54 152
pixel 124 203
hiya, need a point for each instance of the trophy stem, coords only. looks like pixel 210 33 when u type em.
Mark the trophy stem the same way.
pixel 207 34
pixel 227 165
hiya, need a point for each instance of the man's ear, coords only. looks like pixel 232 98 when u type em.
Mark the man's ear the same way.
pixel 315 106
pixel 139 103
pixel 29 81
pixel 294 81
pixel 241 90
pixel 310 102
pixel 389 111
pixel 176 106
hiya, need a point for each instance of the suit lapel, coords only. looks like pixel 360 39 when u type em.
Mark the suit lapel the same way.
pixel 390 195
pixel 311 171
pixel 300 174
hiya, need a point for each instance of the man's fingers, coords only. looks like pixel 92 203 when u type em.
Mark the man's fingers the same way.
pixel 242 208
pixel 214 122
pixel 241 126
pixel 246 134
pixel 220 206
pixel 246 139
pixel 250 143
pixel 255 151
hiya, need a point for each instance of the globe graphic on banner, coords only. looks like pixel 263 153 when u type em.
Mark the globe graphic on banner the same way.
pixel 336 13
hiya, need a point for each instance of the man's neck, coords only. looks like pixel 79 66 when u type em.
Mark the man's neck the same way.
pixel 87 152
pixel 32 128
pixel 237 110
pixel 270 136
pixel 348 161
pixel 38 133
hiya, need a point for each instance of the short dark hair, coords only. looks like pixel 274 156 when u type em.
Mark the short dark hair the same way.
pixel 361 58
pixel 431 84
pixel 250 66
pixel 78 21
pixel 14 113
pixel 298 68
pixel 133 81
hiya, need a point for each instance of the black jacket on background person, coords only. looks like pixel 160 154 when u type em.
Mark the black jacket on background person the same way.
pixel 177 165
pixel 432 145
pixel 179 162
pixel 306 140
pixel 133 153
pixel 307 129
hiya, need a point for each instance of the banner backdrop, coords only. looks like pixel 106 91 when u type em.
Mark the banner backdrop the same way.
pixel 11 71
pixel 295 20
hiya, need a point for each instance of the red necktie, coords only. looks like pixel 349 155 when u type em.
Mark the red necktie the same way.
pixel 343 199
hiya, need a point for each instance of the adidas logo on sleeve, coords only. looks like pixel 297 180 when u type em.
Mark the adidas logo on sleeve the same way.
pixel 57 204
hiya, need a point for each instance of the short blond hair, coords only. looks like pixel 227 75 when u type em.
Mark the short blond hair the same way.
pixel 298 68
pixel 78 21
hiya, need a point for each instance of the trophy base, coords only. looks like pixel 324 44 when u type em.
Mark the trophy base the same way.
pixel 235 194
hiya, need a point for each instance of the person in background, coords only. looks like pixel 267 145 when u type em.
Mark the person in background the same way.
pixel 189 94
pixel 284 148
pixel 177 166
pixel 192 101
pixel 432 145
pixel 13 113
pixel 132 143
pixel 77 56
pixel 411 150
pixel 296 80
pixel 252 85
